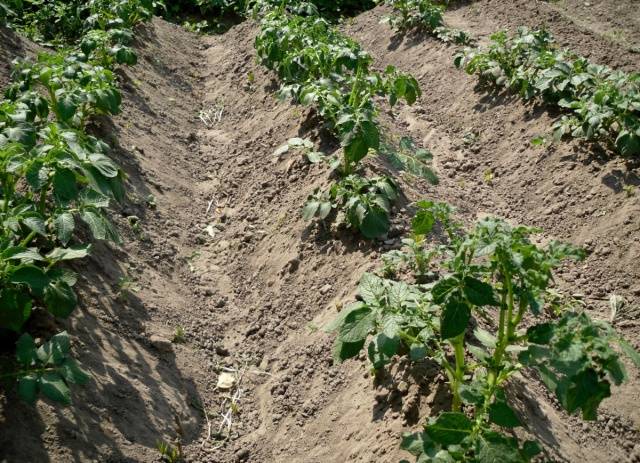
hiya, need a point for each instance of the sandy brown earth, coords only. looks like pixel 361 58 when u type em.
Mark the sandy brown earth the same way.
pixel 222 252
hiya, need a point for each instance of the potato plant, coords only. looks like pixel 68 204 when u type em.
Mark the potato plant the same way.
pixel 412 14
pixel 366 203
pixel 103 26
pixel 603 104
pixel 48 369
pixel 5 11
pixel 496 275
pixel 54 175
pixel 424 15
pixel 319 66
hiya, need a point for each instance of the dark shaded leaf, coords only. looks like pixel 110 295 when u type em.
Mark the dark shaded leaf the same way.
pixel 455 319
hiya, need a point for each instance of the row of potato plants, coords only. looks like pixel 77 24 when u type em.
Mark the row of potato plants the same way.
pixel 487 315
pixel 604 103
pixel 55 176
pixel 480 303
pixel 221 7
pixel 425 16
pixel 320 66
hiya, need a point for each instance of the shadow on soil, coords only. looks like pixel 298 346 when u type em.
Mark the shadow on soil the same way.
pixel 108 331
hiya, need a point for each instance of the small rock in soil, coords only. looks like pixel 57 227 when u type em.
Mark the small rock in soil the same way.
pixel 325 289
pixel 160 343
pixel 242 454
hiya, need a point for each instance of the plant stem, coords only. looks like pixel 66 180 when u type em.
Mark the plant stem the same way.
pixel 18 373
pixel 28 239
pixel 458 379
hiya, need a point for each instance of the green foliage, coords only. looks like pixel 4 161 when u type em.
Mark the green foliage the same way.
pixel 5 12
pixel 412 14
pixel 409 158
pixel 493 271
pixel 451 438
pixel 53 174
pixel 400 317
pixel 169 453
pixel 424 15
pixel 320 66
pixel 365 202
pixel 603 104
pixel 48 369
pixel 218 8
pixel 575 360
pixel 67 21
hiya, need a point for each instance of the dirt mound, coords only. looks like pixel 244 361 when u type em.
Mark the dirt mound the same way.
pixel 217 253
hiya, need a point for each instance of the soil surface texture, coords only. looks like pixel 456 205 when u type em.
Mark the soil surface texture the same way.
pixel 223 277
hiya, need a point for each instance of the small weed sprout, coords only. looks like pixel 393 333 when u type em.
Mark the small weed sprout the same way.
pixel 630 190
pixel 126 285
pixel 179 336
pixel 168 452
pixel 488 177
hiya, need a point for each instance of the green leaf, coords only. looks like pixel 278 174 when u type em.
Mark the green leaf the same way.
pixel 540 334
pixel 501 414
pixel 423 222
pixel 449 428
pixel 25 350
pixel 65 107
pixel 64 225
pixel 310 208
pixel 630 352
pixel 371 288
pixel 37 175
pixel 339 320
pixel 104 165
pixel 386 345
pixel 455 319
pixel 59 346
pixel 472 394
pixel 315 157
pixel 486 339
pixel 417 352
pixel 346 350
pixel 28 387
pixel 64 185
pixel 96 223
pixel 36 224
pixel 25 255
pixel 584 391
pixel 91 198
pixel 74 252
pixel 60 299
pixel 357 325
pixel 53 387
pixel 125 55
pixel 32 276
pixel 324 209
pixel 416 444
pixel 478 293
pixel 355 149
pixel 15 309
pixel 391 322
pixel 371 134
pixel 443 289
pixel 375 223
pixel 72 373
pixel 25 135
pixel 531 448
pixel 495 448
